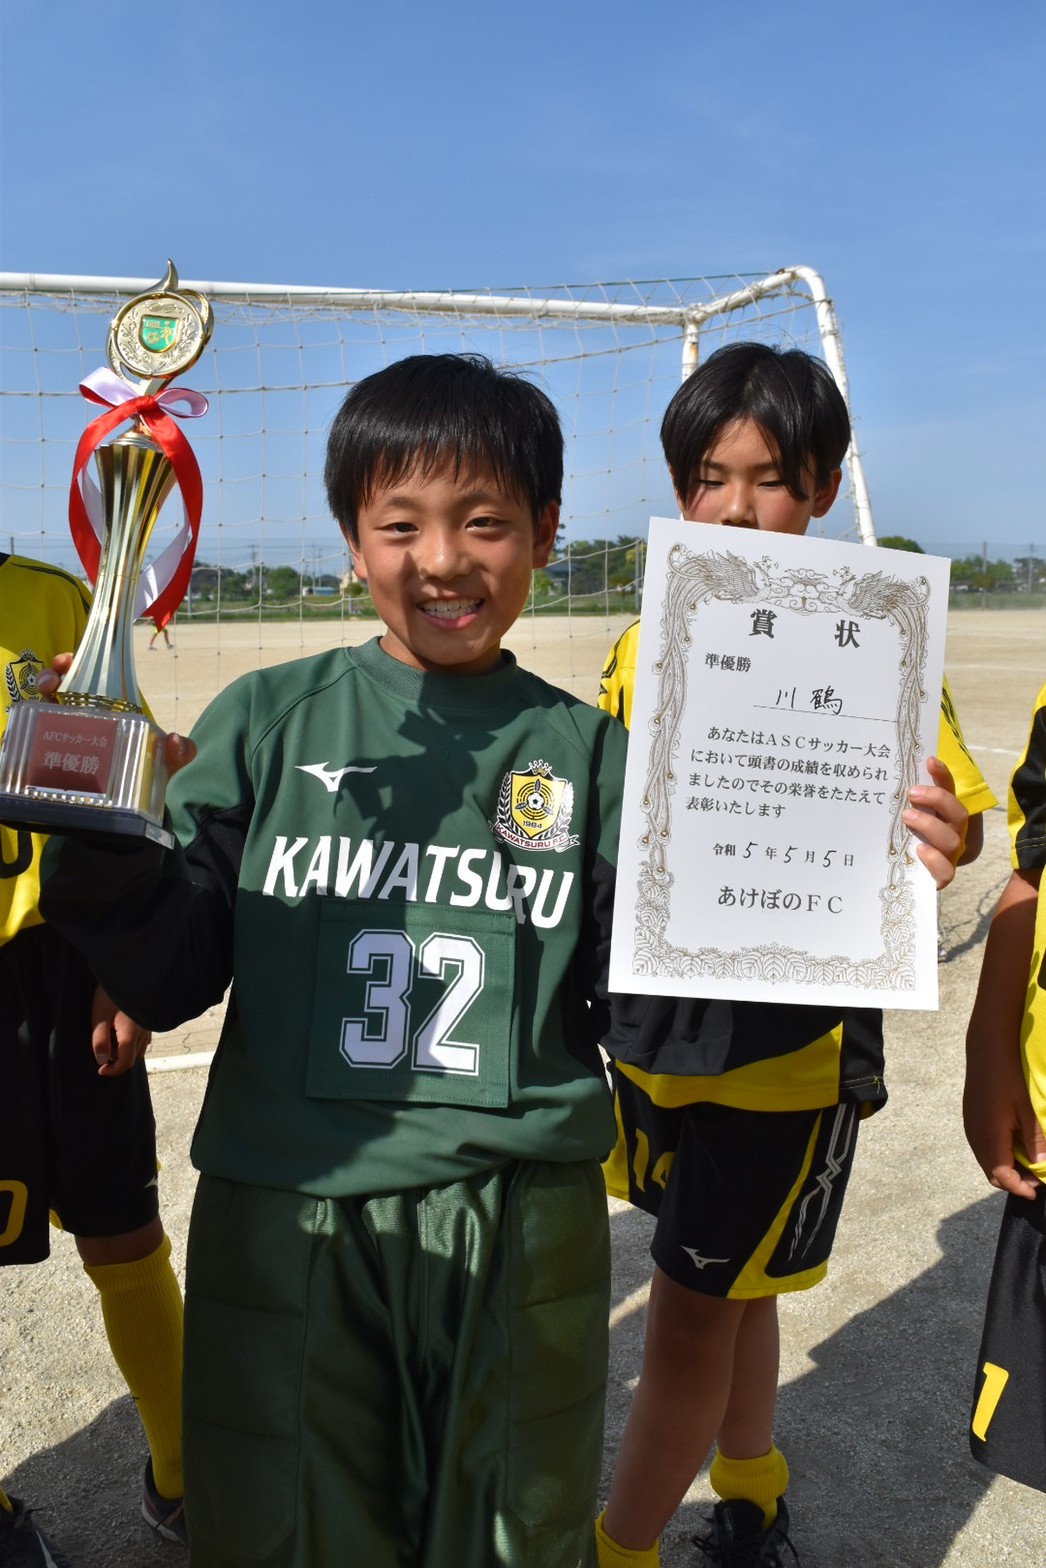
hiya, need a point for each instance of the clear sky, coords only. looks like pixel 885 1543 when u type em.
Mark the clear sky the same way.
pixel 898 149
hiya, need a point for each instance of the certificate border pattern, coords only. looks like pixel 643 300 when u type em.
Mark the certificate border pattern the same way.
pixel 695 578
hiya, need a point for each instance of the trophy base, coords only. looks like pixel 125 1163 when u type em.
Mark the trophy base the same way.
pixel 66 769
pixel 53 816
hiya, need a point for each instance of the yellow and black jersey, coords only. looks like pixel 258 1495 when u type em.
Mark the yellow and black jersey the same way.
pixel 758 1056
pixel 43 611
pixel 1026 816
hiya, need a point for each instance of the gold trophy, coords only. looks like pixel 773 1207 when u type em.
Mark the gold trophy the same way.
pixel 93 760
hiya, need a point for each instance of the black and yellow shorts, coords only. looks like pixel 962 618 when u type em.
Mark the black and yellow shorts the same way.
pixel 1008 1424
pixel 746 1202
pixel 412 1378
pixel 70 1141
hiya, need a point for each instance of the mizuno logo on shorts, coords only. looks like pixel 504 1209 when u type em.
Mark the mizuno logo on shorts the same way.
pixel 698 1261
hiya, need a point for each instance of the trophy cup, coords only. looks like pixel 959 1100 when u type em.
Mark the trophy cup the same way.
pixel 93 760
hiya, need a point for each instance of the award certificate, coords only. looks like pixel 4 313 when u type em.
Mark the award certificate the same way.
pixel 787 694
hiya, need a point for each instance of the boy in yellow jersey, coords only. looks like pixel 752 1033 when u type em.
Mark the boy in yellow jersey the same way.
pixel 76 1127
pixel 1005 1115
pixel 737 1120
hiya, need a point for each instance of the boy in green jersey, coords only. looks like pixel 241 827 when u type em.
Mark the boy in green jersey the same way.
pixel 402 857
pixel 737 1121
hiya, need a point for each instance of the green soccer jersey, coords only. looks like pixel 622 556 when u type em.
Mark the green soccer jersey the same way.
pixel 409 880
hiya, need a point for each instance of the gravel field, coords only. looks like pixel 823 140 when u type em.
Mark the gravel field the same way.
pixel 878 1363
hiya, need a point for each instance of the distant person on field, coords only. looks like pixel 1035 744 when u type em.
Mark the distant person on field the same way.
pixel 78 1136
pixel 160 631
pixel 402 856
pixel 1005 1114
pixel 738 1120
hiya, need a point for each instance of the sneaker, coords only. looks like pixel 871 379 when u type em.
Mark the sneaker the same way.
pixel 164 1515
pixel 23 1544
pixel 738 1538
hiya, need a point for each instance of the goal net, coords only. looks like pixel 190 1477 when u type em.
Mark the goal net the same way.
pixel 280 361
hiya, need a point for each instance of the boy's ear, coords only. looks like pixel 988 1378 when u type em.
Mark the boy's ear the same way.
pixel 825 494
pixel 545 531
pixel 358 564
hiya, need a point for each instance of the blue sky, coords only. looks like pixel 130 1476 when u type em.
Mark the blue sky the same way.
pixel 897 149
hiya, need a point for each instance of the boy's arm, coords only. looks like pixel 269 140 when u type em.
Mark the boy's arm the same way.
pixel 592 959
pixel 155 929
pixel 997 1109
pixel 156 940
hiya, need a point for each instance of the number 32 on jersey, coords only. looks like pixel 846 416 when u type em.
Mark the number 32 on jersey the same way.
pixel 408 1012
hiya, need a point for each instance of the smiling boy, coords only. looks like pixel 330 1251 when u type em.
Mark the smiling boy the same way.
pixel 737 1121
pixel 402 857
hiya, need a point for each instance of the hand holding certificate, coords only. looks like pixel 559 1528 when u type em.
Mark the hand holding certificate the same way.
pixel 787 695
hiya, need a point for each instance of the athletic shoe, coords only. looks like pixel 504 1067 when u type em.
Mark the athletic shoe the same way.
pixel 23 1544
pixel 162 1514
pixel 738 1538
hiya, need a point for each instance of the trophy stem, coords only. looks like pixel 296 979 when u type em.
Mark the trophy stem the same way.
pixel 135 478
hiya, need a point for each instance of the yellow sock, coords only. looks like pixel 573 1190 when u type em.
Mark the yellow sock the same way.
pixel 610 1555
pixel 5 1501
pixel 142 1310
pixel 760 1481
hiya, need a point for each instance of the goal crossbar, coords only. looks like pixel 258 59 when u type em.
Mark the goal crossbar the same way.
pixel 686 317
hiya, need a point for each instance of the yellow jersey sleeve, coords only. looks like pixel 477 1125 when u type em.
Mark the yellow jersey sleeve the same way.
pixel 970 785
pixel 617 682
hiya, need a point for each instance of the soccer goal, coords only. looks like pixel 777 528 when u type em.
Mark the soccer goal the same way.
pixel 280 360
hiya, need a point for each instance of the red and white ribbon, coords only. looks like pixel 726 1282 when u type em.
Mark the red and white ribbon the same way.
pixel 163 584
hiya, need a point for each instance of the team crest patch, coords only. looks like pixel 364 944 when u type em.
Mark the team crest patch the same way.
pixel 20 677
pixel 534 809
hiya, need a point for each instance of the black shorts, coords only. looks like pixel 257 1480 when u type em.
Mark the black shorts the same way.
pixel 1008 1423
pixel 70 1141
pixel 747 1202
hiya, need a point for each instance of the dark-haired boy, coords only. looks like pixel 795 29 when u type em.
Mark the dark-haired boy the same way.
pixel 402 855
pixel 745 1159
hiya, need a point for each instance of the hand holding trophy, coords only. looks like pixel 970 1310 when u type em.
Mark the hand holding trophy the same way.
pixel 93 760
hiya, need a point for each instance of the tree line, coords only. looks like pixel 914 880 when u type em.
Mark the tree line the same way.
pixel 975 573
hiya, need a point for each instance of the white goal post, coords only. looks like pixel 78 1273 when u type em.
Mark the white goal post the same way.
pixel 281 358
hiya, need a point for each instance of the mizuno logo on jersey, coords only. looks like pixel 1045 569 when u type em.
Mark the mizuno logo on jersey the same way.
pixel 329 777
pixel 534 810
pixel 339 867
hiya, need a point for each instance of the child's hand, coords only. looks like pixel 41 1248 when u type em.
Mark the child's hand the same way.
pixel 48 681
pixel 998 1117
pixel 937 817
pixel 116 1040
pixel 179 748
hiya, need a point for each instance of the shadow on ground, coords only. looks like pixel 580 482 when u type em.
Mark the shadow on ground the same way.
pixel 872 1417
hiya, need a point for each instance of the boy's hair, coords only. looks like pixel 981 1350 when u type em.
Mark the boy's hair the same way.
pixel 791 396
pixel 433 409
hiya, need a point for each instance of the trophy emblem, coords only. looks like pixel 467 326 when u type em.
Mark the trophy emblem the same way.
pixel 94 760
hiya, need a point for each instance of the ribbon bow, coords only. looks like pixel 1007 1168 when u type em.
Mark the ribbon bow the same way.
pixel 163 584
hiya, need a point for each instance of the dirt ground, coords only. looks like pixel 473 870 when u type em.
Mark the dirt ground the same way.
pixel 878 1362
